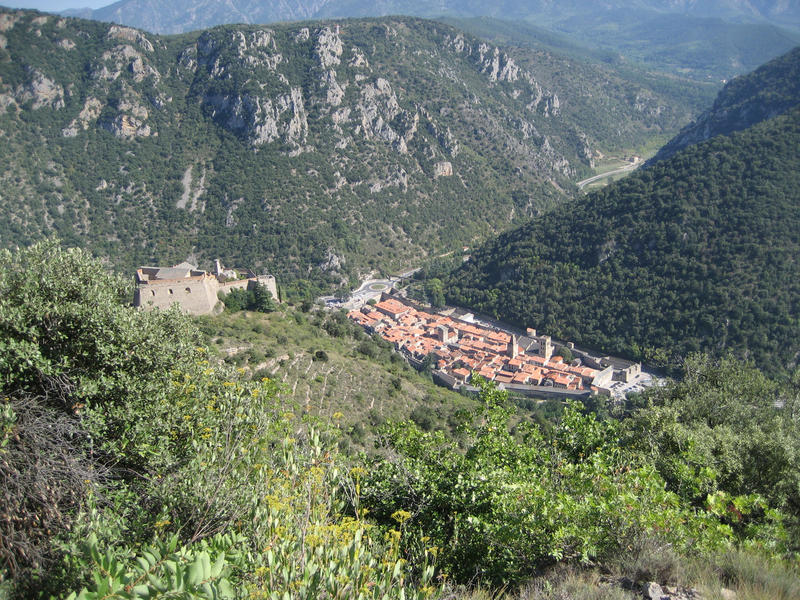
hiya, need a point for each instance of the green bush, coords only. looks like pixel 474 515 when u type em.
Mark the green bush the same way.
pixel 503 507
pixel 134 468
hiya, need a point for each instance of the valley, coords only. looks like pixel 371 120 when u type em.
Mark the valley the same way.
pixel 511 308
pixel 316 152
pixel 595 181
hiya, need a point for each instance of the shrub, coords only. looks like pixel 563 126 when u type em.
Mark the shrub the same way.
pixel 505 506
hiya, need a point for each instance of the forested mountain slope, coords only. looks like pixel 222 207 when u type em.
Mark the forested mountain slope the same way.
pixel 699 251
pixel 749 99
pixel 316 150
pixel 185 15
pixel 705 40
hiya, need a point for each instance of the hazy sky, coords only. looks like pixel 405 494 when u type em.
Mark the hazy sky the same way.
pixel 55 4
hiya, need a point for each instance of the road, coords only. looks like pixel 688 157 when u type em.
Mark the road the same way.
pixel 625 169
pixel 369 289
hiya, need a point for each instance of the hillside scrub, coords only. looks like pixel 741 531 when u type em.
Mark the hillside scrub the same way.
pixel 135 465
pixel 306 149
pixel 504 506
pixel 167 473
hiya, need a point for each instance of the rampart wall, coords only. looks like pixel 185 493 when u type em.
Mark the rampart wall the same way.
pixel 195 295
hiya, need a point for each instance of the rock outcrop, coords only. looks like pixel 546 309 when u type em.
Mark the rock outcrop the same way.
pixel 118 32
pixel 443 169
pixel 40 90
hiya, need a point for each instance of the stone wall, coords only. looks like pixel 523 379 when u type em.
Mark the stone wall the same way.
pixel 195 295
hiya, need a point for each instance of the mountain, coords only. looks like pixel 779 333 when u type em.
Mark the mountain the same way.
pixel 186 15
pixel 697 252
pixel 767 92
pixel 180 16
pixel 705 40
pixel 315 150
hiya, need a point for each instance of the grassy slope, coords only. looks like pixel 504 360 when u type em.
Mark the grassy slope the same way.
pixel 366 390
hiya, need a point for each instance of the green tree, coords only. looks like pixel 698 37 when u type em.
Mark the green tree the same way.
pixel 723 427
pixel 434 290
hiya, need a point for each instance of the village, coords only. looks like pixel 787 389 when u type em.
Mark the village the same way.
pixel 455 345
pixel 461 348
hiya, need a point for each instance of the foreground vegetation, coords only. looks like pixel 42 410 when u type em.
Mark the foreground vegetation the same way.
pixel 136 465
pixel 331 369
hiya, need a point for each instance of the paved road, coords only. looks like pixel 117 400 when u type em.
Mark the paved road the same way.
pixel 369 289
pixel 625 169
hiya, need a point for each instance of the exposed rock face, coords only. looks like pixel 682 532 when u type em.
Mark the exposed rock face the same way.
pixel 8 20
pixel 335 92
pixel 359 60
pixel 89 114
pixel 41 90
pixel 345 95
pixel 378 106
pixel 332 261
pixel 500 68
pixel 192 194
pixel 329 47
pixel 126 126
pixel 262 119
pixel 114 62
pixel 446 139
pixel 130 35
pixel 398 179
pixel 443 169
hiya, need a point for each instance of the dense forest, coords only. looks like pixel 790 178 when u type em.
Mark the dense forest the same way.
pixel 697 252
pixel 136 465
pixel 312 150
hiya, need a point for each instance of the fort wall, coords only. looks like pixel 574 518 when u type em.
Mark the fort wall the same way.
pixel 197 295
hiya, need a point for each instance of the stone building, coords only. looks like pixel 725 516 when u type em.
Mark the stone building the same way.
pixel 196 291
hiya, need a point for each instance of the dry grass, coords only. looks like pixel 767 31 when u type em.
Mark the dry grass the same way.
pixel 361 390
pixel 749 576
pixel 650 559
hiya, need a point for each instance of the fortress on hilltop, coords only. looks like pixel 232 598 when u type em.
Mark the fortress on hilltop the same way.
pixel 196 291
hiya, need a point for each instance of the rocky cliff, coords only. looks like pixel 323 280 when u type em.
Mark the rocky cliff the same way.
pixel 372 141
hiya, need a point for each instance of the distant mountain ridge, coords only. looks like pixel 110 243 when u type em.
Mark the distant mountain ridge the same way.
pixel 747 100
pixel 185 15
pixel 707 41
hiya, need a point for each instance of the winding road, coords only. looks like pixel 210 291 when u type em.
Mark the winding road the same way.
pixel 625 169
